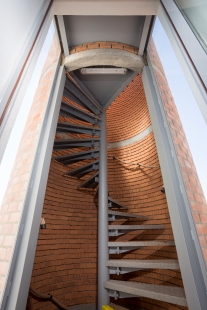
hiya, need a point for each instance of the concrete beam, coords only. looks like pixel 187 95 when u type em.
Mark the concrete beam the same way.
pixel 104 57
pixel 118 91
pixel 63 35
pixel 110 7
pixel 144 35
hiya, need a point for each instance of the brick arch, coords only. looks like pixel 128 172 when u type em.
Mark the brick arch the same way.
pixel 104 44
pixel 107 53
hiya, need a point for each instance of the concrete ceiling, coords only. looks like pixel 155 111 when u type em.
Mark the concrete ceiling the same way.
pixel 102 87
pixel 84 29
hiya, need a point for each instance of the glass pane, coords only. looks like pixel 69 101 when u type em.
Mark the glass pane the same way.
pixel 192 120
pixel 195 12
pixel 7 162
pixel 18 159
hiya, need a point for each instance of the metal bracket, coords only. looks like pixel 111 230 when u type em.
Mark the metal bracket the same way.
pixel 120 250
pixel 122 270
pixel 111 218
pixel 117 294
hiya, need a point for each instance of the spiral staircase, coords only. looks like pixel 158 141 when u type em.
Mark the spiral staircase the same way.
pixel 81 131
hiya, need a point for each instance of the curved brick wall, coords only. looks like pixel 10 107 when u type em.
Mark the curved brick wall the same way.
pixel 139 189
pixel 66 256
pixel 128 115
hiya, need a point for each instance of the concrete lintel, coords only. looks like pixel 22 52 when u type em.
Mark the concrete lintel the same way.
pixel 104 57
pixel 110 7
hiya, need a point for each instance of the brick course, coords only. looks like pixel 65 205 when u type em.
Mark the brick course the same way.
pixel 137 120
pixel 104 44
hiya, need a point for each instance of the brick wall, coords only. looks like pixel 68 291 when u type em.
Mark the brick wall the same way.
pixel 104 44
pixel 13 203
pixel 139 189
pixel 66 256
pixel 193 187
pixel 126 113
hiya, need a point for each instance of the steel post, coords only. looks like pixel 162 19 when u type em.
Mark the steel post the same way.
pixel 103 252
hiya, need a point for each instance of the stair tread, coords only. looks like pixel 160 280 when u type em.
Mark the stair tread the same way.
pixel 90 182
pixel 69 105
pixel 75 140
pixel 81 168
pixel 68 124
pixel 117 203
pixel 125 214
pixel 171 294
pixel 135 263
pixel 77 129
pixel 72 86
pixel 141 243
pixel 74 155
pixel 64 144
pixel 133 227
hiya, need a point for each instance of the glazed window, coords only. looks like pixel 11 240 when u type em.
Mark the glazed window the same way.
pixel 165 65
pixel 195 13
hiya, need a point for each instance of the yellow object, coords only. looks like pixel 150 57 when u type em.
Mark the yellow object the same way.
pixel 106 307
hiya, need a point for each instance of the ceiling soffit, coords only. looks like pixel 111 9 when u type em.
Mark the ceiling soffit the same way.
pixel 123 29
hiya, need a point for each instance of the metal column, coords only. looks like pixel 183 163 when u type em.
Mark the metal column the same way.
pixel 192 265
pixel 103 253
pixel 18 281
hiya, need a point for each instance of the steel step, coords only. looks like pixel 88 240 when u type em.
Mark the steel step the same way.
pixel 122 266
pixel 115 215
pixel 76 157
pixel 170 294
pixel 117 230
pixel 144 264
pixel 71 111
pixel 122 247
pixel 83 170
pixel 73 77
pixel 79 129
pixel 115 204
pixel 69 95
pixel 65 144
pixel 92 182
pixel 76 94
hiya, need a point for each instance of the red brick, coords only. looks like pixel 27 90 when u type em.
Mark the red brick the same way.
pixel 194 190
pixel 202 229
pixel 203 218
pixel 196 217
pixel 198 198
pixel 202 241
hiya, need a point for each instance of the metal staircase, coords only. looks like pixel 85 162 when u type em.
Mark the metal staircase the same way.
pixel 82 132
